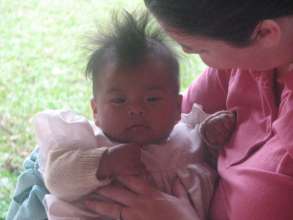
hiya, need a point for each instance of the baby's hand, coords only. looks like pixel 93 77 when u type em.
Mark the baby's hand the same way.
pixel 123 159
pixel 217 129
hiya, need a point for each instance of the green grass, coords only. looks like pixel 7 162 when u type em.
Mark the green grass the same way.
pixel 42 61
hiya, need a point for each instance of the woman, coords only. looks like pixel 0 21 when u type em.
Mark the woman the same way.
pixel 249 48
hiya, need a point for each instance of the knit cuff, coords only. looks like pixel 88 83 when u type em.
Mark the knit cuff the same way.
pixel 88 166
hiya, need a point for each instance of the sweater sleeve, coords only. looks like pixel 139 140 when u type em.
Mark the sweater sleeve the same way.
pixel 70 173
pixel 209 90
pixel 69 153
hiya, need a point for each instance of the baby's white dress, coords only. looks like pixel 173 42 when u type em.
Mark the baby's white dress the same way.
pixel 71 148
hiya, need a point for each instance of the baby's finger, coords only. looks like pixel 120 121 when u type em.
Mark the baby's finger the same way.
pixel 135 184
pixel 132 171
pixel 132 167
pixel 179 190
pixel 110 210
pixel 118 194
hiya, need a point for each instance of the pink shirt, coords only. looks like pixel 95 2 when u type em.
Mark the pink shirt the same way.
pixel 256 166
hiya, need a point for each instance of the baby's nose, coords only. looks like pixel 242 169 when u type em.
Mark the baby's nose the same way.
pixel 135 110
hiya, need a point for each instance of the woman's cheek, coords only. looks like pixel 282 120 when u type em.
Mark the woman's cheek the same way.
pixel 209 61
pixel 218 62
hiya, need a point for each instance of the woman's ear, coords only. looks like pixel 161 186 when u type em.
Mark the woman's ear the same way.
pixel 267 33
pixel 95 111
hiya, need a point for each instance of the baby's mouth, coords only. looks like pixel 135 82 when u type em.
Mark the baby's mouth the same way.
pixel 138 127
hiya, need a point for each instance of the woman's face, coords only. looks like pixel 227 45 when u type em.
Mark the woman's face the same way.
pixel 220 54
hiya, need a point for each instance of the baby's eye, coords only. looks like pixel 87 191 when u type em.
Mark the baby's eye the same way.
pixel 153 99
pixel 118 100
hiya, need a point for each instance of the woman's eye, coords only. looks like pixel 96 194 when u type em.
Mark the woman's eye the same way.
pixel 153 99
pixel 118 100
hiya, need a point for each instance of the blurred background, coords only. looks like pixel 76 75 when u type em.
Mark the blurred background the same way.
pixel 42 61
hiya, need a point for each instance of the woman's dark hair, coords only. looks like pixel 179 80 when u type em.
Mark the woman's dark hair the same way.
pixel 126 43
pixel 232 21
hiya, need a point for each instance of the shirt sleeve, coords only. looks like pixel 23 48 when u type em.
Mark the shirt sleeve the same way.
pixel 195 175
pixel 209 90
pixel 69 153
pixel 198 180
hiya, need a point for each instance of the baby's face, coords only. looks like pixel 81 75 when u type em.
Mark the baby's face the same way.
pixel 138 105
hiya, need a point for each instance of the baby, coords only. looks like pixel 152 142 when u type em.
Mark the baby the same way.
pixel 138 128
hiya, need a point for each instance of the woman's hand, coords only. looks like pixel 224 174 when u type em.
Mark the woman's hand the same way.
pixel 138 201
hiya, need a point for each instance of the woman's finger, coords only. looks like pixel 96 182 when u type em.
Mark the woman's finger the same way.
pixel 135 184
pixel 118 194
pixel 111 210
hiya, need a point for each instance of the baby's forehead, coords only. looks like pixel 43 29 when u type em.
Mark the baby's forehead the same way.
pixel 152 64
pixel 145 77
pixel 151 71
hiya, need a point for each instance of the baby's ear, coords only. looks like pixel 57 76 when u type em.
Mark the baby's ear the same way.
pixel 95 111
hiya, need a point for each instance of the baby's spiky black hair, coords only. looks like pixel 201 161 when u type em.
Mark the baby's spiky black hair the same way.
pixel 126 44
